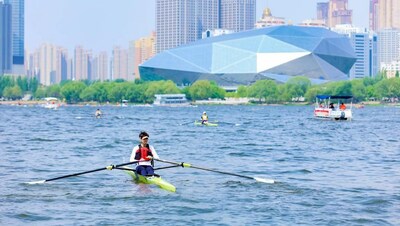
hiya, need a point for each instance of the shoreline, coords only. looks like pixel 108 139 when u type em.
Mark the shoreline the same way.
pixel 202 102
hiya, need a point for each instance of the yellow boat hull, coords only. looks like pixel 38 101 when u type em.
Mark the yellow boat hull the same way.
pixel 157 180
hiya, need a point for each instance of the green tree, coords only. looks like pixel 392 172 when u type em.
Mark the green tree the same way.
pixel 118 91
pixel 397 74
pixel 40 93
pixel 6 81
pixel 13 93
pixel 297 87
pixel 101 90
pixel 342 88
pixel 242 91
pixel 204 89
pixel 53 91
pixel 358 90
pixel 72 90
pixel 33 84
pixel 88 94
pixel 22 82
pixel 312 93
pixel 264 89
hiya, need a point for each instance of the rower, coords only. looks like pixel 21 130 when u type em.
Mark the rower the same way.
pixel 98 113
pixel 204 118
pixel 145 154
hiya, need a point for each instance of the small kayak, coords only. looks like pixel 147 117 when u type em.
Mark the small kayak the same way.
pixel 157 180
pixel 198 123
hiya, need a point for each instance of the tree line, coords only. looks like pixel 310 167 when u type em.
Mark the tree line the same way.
pixel 138 91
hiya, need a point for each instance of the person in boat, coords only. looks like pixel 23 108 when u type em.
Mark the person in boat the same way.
pixel 342 106
pixel 204 118
pixel 98 113
pixel 331 106
pixel 145 153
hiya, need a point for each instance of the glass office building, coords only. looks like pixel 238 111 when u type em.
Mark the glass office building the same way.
pixel 5 38
pixel 18 34
pixel 276 53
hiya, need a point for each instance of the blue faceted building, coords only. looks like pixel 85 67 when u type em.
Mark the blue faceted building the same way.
pixel 276 53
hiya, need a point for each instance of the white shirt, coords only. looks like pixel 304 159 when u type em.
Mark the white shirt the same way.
pixel 144 163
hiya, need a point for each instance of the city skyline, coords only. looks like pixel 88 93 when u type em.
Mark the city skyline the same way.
pixel 129 20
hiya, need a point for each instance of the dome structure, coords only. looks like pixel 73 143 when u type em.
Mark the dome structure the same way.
pixel 278 53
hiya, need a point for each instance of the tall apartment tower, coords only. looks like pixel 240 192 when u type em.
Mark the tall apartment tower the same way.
pixel 120 64
pixel 102 66
pixel 5 39
pixel 238 15
pixel 373 15
pixel 78 66
pixel 339 13
pixel 182 21
pixel 144 50
pixel 388 45
pixel 18 36
pixel 322 11
pixel 388 14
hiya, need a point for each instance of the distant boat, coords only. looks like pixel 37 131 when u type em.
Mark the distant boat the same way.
pixel 51 103
pixel 326 109
pixel 198 123
pixel 171 100
pixel 124 103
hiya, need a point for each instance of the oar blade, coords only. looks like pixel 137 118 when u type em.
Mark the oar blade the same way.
pixel 37 182
pixel 263 180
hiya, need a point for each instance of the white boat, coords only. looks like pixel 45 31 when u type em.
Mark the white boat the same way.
pixel 325 107
pixel 51 103
pixel 124 103
pixel 171 100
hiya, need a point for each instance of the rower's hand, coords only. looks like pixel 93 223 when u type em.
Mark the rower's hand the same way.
pixel 149 157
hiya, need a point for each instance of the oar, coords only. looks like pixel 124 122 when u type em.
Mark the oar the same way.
pixel 110 167
pixel 188 165
pixel 185 123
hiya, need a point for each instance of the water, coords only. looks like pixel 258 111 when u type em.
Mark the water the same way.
pixel 328 172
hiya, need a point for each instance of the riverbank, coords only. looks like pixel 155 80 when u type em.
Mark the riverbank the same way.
pixel 227 101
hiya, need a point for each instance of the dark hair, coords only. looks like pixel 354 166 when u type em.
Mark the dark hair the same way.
pixel 143 134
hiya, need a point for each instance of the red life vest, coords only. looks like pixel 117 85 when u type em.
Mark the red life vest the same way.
pixel 143 152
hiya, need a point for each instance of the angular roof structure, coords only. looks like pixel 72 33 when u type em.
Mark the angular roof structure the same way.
pixel 242 58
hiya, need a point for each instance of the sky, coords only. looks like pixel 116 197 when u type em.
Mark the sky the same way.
pixel 101 24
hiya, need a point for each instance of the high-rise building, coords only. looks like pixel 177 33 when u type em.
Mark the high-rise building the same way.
pixel 175 23
pixel 388 46
pixel 102 66
pixel 78 67
pixel 338 13
pixel 388 14
pixel 322 11
pixel 365 47
pixel 5 39
pixel 238 15
pixel 183 21
pixel 120 64
pixel 144 50
pixel 47 64
pixel 131 60
pixel 373 15
pixel 83 64
pixel 18 36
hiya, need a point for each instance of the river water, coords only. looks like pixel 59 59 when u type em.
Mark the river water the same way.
pixel 327 172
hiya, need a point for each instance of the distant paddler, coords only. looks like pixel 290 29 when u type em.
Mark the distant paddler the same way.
pixel 204 118
pixel 98 113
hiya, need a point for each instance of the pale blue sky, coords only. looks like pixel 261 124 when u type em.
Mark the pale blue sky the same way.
pixel 101 24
